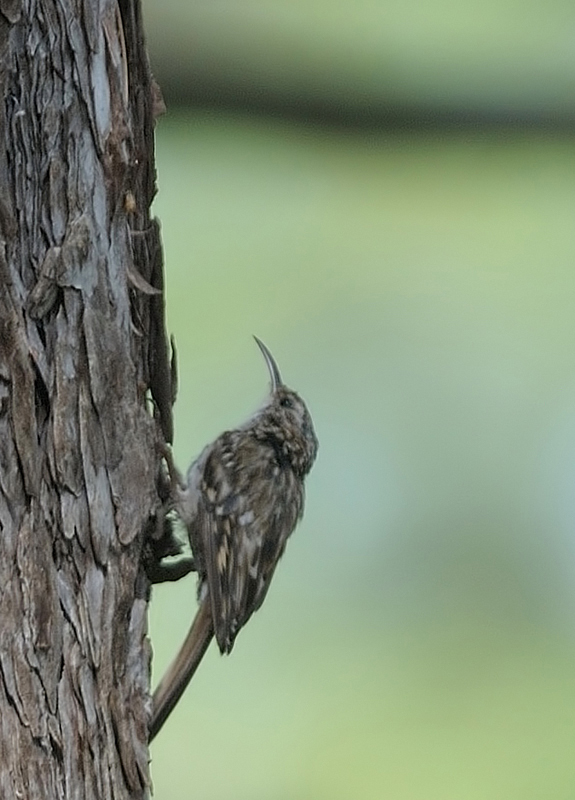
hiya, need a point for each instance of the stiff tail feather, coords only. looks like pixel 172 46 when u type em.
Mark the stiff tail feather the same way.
pixel 182 668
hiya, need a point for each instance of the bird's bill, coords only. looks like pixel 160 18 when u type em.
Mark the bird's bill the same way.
pixel 275 376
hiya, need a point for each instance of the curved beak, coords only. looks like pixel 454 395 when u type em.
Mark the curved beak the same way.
pixel 275 376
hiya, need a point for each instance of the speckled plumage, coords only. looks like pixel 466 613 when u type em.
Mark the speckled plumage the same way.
pixel 244 498
pixel 240 502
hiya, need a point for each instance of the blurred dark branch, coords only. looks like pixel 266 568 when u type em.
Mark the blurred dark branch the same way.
pixel 347 111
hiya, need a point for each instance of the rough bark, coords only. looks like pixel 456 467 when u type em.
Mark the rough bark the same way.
pixel 82 351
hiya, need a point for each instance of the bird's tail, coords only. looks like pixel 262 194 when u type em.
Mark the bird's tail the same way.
pixel 182 669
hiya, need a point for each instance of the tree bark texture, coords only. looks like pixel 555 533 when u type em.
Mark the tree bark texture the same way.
pixel 83 360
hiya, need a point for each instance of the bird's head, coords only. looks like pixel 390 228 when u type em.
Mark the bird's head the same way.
pixel 285 419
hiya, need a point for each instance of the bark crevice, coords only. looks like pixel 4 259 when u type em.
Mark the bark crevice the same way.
pixel 82 349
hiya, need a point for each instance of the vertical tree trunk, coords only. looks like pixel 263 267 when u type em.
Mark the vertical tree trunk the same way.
pixel 82 348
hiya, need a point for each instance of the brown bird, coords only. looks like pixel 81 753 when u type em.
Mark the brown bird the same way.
pixel 240 501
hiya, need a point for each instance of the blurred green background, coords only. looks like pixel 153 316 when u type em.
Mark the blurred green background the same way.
pixel 417 288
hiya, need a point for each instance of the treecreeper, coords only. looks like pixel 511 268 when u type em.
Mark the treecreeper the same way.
pixel 239 501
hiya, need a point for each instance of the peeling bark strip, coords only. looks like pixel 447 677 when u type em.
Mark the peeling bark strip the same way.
pixel 82 345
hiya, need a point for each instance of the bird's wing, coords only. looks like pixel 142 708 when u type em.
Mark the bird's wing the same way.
pixel 243 533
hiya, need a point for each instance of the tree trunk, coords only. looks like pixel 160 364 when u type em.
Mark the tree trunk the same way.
pixel 82 351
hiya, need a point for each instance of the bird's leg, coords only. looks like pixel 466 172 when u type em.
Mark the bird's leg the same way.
pixel 176 479
pixel 159 572
pixel 163 543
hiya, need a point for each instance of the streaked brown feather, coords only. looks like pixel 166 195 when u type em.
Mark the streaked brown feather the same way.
pixel 241 501
pixel 249 504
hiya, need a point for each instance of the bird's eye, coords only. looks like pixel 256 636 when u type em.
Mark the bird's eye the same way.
pixel 286 402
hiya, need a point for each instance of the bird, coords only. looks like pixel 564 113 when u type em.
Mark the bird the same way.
pixel 240 501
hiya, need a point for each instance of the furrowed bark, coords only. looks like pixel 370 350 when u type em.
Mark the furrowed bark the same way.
pixel 82 351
